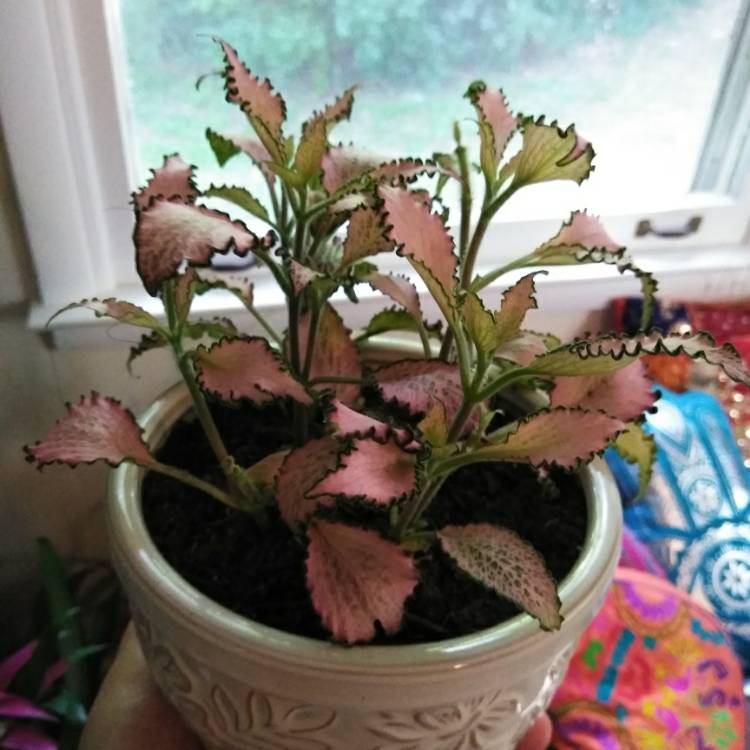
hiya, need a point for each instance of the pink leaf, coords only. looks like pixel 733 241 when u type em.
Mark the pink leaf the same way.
pixel 357 578
pixel 581 231
pixel 13 664
pixel 256 151
pixel 493 111
pixel 524 347
pixel 561 436
pixel 341 109
pixel 625 393
pixel 366 235
pixel 504 562
pixel 381 472
pixel 23 738
pixel 334 354
pixel 168 233
pixel 424 240
pixel 238 284
pixel 246 368
pixel 301 276
pixel 351 422
pixel 172 181
pixel 399 289
pixel 401 171
pixel 97 428
pixel 16 707
pixel 265 109
pixel 517 301
pixel 302 469
pixel 52 674
pixel 343 165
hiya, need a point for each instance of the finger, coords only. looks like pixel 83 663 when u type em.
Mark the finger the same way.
pixel 129 712
pixel 539 736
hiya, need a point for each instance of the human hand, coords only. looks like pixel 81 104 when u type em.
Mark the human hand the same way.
pixel 130 713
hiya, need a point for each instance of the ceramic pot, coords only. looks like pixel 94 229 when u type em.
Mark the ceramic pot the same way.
pixel 244 686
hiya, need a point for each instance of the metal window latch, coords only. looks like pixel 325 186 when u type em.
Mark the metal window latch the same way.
pixel 646 227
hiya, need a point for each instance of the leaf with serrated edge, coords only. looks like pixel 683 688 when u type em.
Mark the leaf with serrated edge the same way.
pixel 357 578
pixel 312 147
pixel 267 469
pixel 561 436
pixel 505 563
pixel 434 425
pixel 246 368
pixel 516 303
pixel 97 428
pixel 257 152
pixel 492 110
pixel 394 467
pixel 350 422
pixel 625 393
pixel 549 153
pixel 148 342
pixel 265 109
pixel 301 276
pixel 399 289
pixel 389 320
pixel 240 197
pixel 424 240
pixel 401 171
pixel 173 180
pixel 123 312
pixel 334 354
pixel 524 347
pixel 238 284
pixel 341 108
pixel 480 324
pixel 582 230
pixel 303 468
pixel 224 148
pixel 365 236
pixel 636 447
pixel 168 233
pixel 343 165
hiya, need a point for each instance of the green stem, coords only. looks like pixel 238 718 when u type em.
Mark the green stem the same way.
pixel 275 269
pixel 415 508
pixel 425 339
pixel 503 382
pixel 299 238
pixel 463 166
pixel 293 332
pixel 311 336
pixel 480 282
pixel 267 327
pixel 187 478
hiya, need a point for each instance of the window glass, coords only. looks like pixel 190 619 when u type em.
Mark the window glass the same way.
pixel 638 77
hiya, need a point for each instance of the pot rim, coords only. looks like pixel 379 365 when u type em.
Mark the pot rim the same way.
pixel 134 549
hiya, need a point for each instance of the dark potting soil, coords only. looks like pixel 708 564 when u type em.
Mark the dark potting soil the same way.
pixel 261 574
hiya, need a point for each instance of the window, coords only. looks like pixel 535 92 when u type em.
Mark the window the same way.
pixel 658 86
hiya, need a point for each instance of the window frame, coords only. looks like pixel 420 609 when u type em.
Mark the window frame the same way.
pixel 69 144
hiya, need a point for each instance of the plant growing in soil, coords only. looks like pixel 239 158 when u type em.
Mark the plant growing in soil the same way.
pixel 331 209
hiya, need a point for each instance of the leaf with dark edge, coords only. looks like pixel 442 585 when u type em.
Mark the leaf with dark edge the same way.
pixel 549 153
pixel 302 469
pixel 625 393
pixel 607 353
pixel 174 180
pixel 148 342
pixel 516 303
pixel 525 346
pixel 97 428
pixel 357 578
pixel 381 472
pixel 218 328
pixel 301 276
pixel 350 422
pixel 343 166
pixel 184 291
pixel 400 172
pixel 335 354
pixel 423 239
pixel 119 310
pixel 224 148
pixel 167 233
pixel 240 197
pixel 505 563
pixel 312 147
pixel 265 109
pixel 251 147
pixel 399 289
pixel 341 109
pixel 389 320
pixel 480 324
pixel 238 284
pixel 561 436
pixel 434 425
pixel 246 368
pixel 365 236
pixel 636 447
pixel 496 125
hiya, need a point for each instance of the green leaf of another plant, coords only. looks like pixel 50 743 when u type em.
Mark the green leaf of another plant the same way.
pixel 639 448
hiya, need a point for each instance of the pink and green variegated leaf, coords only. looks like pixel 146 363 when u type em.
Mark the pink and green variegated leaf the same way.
pixel 560 436
pixel 480 324
pixel 582 230
pixel 25 738
pixel 341 109
pixel 334 355
pixel 238 284
pixel 350 422
pixel 168 233
pixel 246 368
pixel 302 276
pixel 226 146
pixel 343 165
pixel 172 181
pixel 625 393
pixel 434 425
pixel 516 303
pixel 97 428
pixel 11 665
pixel 184 291
pixel 379 471
pixel 549 153
pixel 525 346
pixel 505 563
pixel 301 470
pixel 399 289
pixel 606 354
pixel 366 235
pixel 424 240
pixel 496 125
pixel 402 171
pixel 266 471
pixel 123 312
pixel 17 707
pixel 240 197
pixel 356 579
pixel 311 150
pixel 265 109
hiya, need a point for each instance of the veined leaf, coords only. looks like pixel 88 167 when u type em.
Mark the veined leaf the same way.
pixel 97 428
pixel 246 368
pixel 366 235
pixel 636 447
pixel 502 561
pixel 357 578
pixel 240 197
pixel 174 180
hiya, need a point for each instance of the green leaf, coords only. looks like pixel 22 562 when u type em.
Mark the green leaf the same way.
pixel 219 328
pixel 434 425
pixel 639 448
pixel 389 320
pixel 517 301
pixel 289 176
pixel 122 312
pixel 224 149
pixel 311 149
pixel 240 197
pixel 480 324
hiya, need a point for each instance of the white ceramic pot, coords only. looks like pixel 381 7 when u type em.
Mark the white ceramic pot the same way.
pixel 244 686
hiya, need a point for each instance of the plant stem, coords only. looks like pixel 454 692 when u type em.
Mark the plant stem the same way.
pixel 187 478
pixel 480 282
pixel 502 382
pixel 415 508
pixel 267 327
pixel 311 336
pixel 425 339
pixel 463 166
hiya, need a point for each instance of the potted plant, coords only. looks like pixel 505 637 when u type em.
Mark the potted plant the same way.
pixel 342 465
